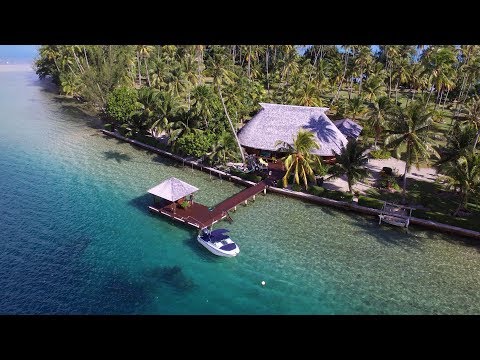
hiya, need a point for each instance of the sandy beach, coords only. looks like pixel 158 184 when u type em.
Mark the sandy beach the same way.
pixel 374 167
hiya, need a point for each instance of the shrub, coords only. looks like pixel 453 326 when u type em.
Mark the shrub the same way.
pixel 253 177
pixel 185 204
pixel 380 154
pixel 123 129
pixel 370 202
pixel 389 181
pixel 122 104
pixel 194 144
pixel 296 187
pixel 246 176
pixel 316 190
pixel 108 127
pixel 337 195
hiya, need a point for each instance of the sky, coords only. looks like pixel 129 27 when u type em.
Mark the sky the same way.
pixel 17 54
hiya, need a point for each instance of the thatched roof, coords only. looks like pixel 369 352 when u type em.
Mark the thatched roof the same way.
pixel 349 128
pixel 282 122
pixel 172 189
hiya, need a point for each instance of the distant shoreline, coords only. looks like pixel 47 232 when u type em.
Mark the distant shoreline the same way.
pixel 15 67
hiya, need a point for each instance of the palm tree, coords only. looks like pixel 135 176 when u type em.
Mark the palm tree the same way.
pixel 460 143
pixel 307 95
pixel 143 52
pixel 222 74
pixel 355 107
pixel 203 104
pixel 411 130
pixel 464 174
pixel 472 115
pixel 418 80
pixel 374 87
pixel 300 161
pixel 378 115
pixel 224 149
pixel 350 162
pixel 362 60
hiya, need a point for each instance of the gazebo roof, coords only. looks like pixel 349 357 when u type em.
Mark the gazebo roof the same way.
pixel 172 189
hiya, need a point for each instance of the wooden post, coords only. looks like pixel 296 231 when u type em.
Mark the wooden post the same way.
pixel 246 202
pixel 253 197
pixel 265 191
pixel 234 208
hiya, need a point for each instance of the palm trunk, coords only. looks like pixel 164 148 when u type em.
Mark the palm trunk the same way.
pixel 77 61
pixel 361 81
pixel 377 136
pixel 86 57
pixel 349 185
pixel 231 125
pixel 139 70
pixel 476 141
pixel 396 91
pixel 430 94
pixel 404 194
pixel 462 204
pixel 390 84
pixel 266 65
pixel 249 60
pixel 146 70
pixel 438 100
pixel 351 88
pixel 446 97
pixel 407 162
pixel 341 81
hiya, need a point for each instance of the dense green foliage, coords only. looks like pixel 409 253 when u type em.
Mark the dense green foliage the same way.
pixel 350 162
pixel 316 190
pixel 194 144
pixel 299 161
pixel 380 154
pixel 370 202
pixel 415 101
pixel 246 176
pixel 122 103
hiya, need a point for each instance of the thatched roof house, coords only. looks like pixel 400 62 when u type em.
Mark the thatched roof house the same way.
pixel 282 122
pixel 349 128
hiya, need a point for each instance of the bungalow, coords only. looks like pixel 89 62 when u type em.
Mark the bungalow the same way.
pixel 282 122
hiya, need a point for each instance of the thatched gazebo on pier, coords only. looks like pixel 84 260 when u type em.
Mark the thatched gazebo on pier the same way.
pixel 174 191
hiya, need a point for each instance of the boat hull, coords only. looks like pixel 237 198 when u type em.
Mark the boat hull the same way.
pixel 219 252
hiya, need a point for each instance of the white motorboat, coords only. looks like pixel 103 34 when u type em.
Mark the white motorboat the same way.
pixel 217 242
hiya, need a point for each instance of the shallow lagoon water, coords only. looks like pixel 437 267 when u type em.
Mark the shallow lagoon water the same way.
pixel 76 236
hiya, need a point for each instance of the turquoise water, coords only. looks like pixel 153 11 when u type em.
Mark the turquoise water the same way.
pixel 76 236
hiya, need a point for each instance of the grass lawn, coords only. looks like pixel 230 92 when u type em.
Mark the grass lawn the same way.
pixel 437 203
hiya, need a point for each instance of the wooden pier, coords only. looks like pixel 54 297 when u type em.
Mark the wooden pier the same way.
pixel 200 216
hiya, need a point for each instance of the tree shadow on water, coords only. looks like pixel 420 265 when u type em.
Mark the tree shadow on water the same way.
pixel 173 276
pixel 142 202
pixel 121 294
pixel 390 235
pixel 116 155
pixel 326 209
pixel 384 234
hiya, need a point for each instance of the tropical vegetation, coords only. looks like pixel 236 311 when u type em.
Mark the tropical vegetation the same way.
pixel 417 102
pixel 351 162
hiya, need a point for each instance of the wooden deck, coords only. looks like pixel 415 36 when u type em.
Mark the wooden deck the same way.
pixel 199 216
